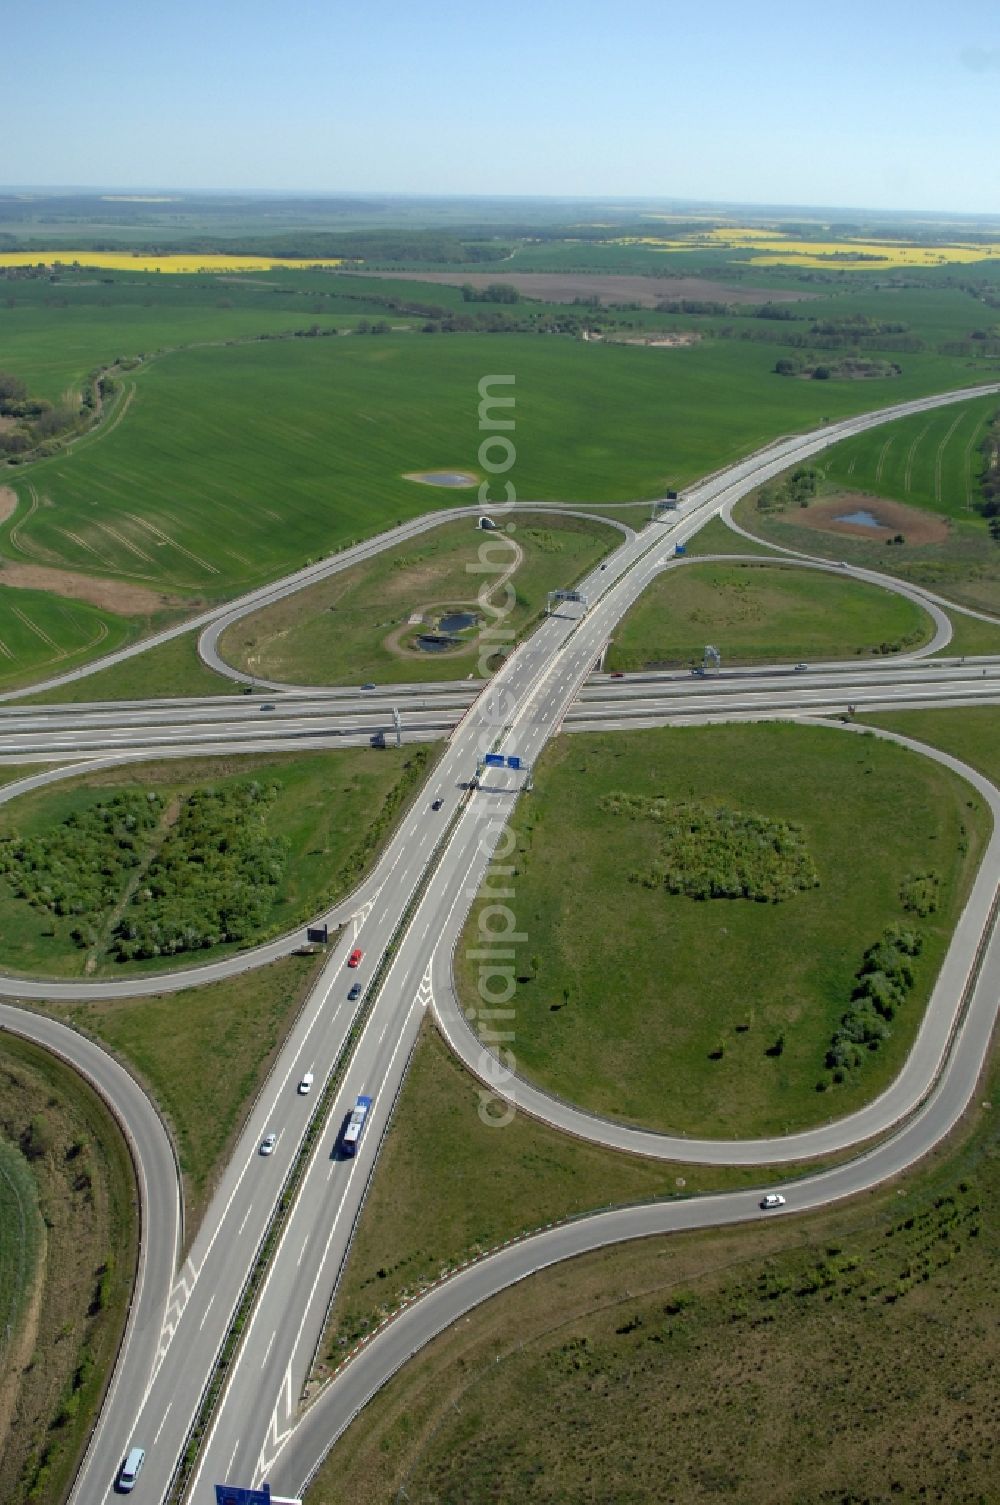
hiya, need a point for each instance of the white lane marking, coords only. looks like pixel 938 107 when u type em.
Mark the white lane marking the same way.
pixel 162 1423
pixel 267 1350
pixel 233 1458
pixel 208 1308
pixel 301 1255
pixel 246 1219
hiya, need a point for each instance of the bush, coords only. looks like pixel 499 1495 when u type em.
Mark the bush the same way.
pixel 717 853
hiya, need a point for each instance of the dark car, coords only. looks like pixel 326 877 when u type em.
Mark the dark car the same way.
pixel 436 804
pixel 369 686
pixel 267 708
pixel 355 993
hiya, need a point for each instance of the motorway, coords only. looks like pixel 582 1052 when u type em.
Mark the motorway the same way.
pixel 415 900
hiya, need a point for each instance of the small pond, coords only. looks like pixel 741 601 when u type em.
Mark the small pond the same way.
pixel 862 518
pixel 436 642
pixel 457 621
pixel 446 478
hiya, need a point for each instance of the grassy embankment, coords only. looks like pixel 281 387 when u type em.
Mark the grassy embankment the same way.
pixel 930 462
pixel 321 811
pixel 83 1179
pixel 763 1349
pixel 761 615
pixel 357 625
pixel 714 1016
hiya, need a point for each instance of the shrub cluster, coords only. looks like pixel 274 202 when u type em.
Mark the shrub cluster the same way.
pixel 919 893
pixel 81 866
pixel 711 852
pixel 881 985
pixel 213 879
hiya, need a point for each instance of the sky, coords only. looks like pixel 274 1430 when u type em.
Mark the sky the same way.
pixel 881 104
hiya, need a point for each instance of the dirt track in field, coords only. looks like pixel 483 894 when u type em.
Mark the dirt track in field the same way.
pixel 563 287
pixel 8 503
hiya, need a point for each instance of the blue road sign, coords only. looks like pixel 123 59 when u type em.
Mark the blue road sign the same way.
pixel 235 1494
pixel 493 760
pixel 513 762
pixel 680 549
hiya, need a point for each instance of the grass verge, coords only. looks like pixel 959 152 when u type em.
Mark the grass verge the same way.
pixel 759 614
pixel 86 1193
pixel 714 1016
pixel 172 669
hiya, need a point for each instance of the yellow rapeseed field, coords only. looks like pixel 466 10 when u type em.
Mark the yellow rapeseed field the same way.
pixel 129 261
pixel 772 248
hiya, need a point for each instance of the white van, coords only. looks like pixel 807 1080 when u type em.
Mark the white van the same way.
pixel 130 1470
pixel 306 1084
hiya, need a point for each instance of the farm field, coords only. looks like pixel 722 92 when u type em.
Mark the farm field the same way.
pixel 628 981
pixel 175 1042
pixel 761 614
pixel 43 634
pixel 359 626
pixel 86 1193
pixel 450 1187
pixel 313 825
pixel 931 460
pixel 233 465
pixel 754 1344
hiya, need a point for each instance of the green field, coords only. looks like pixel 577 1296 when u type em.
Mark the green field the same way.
pixel 931 460
pixel 331 810
pixel 713 1017
pixel 86 1193
pixel 757 614
pixel 42 634
pixel 356 626
pixel 175 1042
pixel 745 1365
pixel 233 465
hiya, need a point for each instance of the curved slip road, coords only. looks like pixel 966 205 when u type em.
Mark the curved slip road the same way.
pixel 160 1224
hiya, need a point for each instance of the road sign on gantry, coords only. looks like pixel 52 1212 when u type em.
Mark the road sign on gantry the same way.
pixel 235 1494
pixel 493 760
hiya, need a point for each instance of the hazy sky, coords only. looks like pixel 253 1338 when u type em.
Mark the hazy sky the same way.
pixel 881 104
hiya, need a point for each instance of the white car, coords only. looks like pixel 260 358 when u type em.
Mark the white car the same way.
pixel 268 1143
pixel 305 1085
pixel 773 1199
